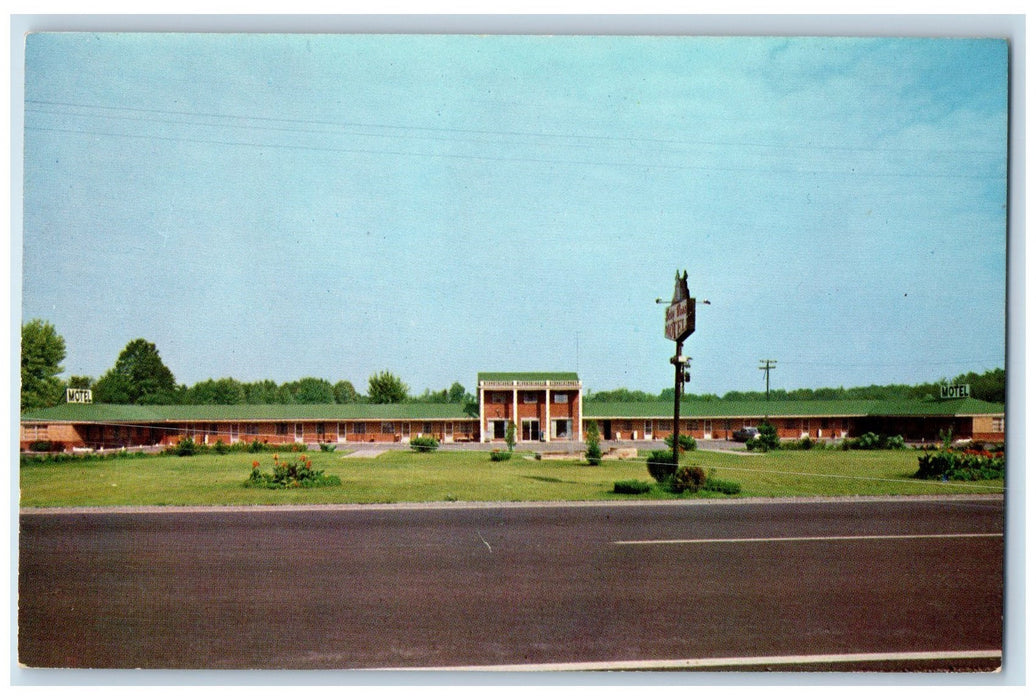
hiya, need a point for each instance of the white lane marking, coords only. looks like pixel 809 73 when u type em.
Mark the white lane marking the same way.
pixel 826 538
pixel 737 662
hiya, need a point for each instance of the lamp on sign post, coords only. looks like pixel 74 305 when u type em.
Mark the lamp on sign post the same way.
pixel 679 324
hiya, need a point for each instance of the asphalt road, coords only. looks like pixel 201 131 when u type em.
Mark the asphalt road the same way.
pixel 898 584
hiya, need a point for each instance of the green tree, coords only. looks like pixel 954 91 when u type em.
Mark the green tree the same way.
pixel 385 387
pixel 988 386
pixel 593 443
pixel 261 392
pixel 80 382
pixel 43 350
pixel 509 436
pixel 138 377
pixel 224 392
pixel 767 438
pixel 310 390
pixel 345 392
pixel 458 394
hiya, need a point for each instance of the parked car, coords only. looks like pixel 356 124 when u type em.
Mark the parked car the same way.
pixel 746 433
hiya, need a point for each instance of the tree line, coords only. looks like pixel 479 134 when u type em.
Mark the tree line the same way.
pixel 987 386
pixel 139 376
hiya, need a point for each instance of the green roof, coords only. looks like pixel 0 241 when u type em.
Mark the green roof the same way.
pixel 440 411
pixel 249 412
pixel 528 377
pixel 790 409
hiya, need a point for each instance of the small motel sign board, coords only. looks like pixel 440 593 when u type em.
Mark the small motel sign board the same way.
pixel 955 391
pixel 78 396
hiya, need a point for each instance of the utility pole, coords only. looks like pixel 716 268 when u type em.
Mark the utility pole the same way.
pixel 767 366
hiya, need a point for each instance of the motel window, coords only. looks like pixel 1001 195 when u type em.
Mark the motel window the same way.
pixel 562 428
pixel 528 397
pixel 252 429
pixel 426 428
pixel 320 431
pixel 998 425
pixel 665 425
pixel 387 429
pixel 499 397
pixel 282 428
pixel 561 397
pixel 359 428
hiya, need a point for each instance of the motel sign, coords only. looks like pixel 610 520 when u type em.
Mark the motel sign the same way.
pixel 79 396
pixel 679 315
pixel 955 391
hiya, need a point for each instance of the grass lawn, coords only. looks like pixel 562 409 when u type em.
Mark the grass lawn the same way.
pixel 401 476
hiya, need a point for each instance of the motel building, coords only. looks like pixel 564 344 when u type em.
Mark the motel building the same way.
pixel 545 407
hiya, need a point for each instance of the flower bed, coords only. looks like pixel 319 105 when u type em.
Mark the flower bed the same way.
pixel 290 474
pixel 961 465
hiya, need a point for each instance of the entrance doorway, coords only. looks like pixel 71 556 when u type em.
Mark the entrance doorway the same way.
pixel 530 429
pixel 499 429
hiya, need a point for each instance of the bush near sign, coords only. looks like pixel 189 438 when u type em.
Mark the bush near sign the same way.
pixel 955 391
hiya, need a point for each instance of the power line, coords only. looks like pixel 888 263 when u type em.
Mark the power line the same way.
pixel 807 172
pixel 625 139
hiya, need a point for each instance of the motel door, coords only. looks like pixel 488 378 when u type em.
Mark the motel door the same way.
pixel 530 429
pixel 298 432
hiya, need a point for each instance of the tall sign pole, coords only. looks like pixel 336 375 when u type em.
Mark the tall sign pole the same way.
pixel 679 324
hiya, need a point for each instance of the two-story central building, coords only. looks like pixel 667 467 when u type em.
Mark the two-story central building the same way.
pixel 542 405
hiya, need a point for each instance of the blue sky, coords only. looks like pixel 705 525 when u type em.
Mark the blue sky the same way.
pixel 281 206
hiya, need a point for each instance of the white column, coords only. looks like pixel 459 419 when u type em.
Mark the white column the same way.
pixel 481 414
pixel 547 428
pixel 579 423
pixel 514 411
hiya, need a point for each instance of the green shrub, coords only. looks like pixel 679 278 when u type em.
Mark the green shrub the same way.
pixel 719 486
pixel 766 440
pixel 687 442
pixel 661 466
pixel 46 446
pixel 424 444
pixel 961 465
pixel 500 456
pixel 509 435
pixel 221 447
pixel 688 478
pixel 804 444
pixel 632 486
pixel 328 447
pixel 593 444
pixel 185 448
pixel 64 457
pixel 255 446
pixel 296 473
pixel 872 441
